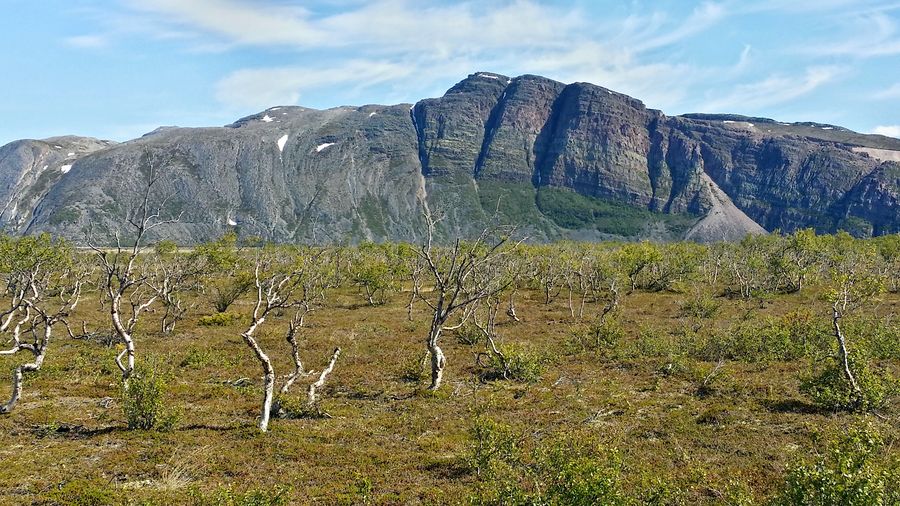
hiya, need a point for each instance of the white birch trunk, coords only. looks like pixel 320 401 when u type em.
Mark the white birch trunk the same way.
pixel 40 351
pixel 438 360
pixel 268 375
pixel 312 397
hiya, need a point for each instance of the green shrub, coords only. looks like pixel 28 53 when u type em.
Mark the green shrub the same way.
pixel 219 319
pixel 879 338
pixel 602 336
pixel 702 306
pixel 653 343
pixel 522 365
pixel 830 389
pixel 414 368
pixel 292 408
pixel 790 337
pixel 580 477
pixel 83 493
pixel 197 358
pixel 657 491
pixel 469 335
pixel 847 474
pixel 143 402
pixel 494 445
pixel 566 470
pixel 226 496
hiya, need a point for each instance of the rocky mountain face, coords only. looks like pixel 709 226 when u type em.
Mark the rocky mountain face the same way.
pixel 560 161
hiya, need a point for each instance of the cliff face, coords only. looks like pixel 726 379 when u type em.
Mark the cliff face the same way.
pixel 576 161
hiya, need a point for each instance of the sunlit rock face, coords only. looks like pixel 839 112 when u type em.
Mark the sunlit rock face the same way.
pixel 558 161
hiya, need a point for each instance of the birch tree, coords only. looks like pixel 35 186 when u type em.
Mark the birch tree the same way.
pixel 459 276
pixel 284 279
pixel 123 277
pixel 171 274
pixel 854 282
pixel 43 285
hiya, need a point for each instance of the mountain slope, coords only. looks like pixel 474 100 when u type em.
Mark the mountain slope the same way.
pixel 561 161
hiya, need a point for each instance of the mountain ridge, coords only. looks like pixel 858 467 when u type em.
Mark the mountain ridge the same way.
pixel 559 160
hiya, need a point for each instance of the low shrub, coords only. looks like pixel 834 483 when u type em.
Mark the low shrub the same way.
pixel 850 472
pixel 226 496
pixel 83 493
pixel 197 358
pixel 830 389
pixel 219 319
pixel 567 469
pixel 414 368
pixel 602 336
pixel 493 446
pixel 469 335
pixel 143 401
pixel 701 306
pixel 522 365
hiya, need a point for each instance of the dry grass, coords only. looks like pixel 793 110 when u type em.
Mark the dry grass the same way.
pixel 386 433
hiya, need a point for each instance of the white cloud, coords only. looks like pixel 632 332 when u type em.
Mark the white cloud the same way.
pixel 391 40
pixel 262 88
pixel 774 90
pixel 86 41
pixel 240 22
pixel 391 24
pixel 889 93
pixel 866 35
pixel 888 130
pixel 702 18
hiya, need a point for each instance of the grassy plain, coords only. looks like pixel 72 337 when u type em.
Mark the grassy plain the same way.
pixel 388 440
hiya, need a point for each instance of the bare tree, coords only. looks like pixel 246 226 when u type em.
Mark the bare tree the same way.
pixel 488 329
pixel 170 275
pixel 44 286
pixel 284 279
pixel 460 276
pixel 123 279
pixel 312 397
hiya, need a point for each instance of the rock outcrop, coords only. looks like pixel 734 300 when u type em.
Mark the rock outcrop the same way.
pixel 560 161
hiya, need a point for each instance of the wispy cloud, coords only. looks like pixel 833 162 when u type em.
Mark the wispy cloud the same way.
pixel 702 18
pixel 891 92
pixel 261 88
pixel 259 23
pixel 86 41
pixel 774 90
pixel 888 130
pixel 391 40
pixel 865 35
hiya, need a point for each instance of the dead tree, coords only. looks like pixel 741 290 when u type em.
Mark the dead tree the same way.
pixel 172 274
pixel 460 276
pixel 123 278
pixel 284 280
pixel 312 397
pixel 44 287
pixel 488 329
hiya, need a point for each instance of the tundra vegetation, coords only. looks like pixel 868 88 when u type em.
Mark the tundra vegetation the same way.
pixel 488 371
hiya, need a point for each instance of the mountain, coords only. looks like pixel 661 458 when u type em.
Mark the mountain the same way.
pixel 560 161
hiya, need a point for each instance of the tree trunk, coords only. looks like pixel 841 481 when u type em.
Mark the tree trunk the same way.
pixel 844 354
pixel 268 375
pixel 511 310
pixel 311 397
pixel 128 369
pixel 40 352
pixel 438 361
pixel 295 354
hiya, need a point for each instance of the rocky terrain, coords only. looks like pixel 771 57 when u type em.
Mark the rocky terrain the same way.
pixel 560 161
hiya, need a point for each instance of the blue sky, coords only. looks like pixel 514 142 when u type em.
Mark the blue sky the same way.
pixel 118 68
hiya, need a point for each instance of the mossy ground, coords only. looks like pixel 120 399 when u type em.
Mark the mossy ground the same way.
pixel 387 441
